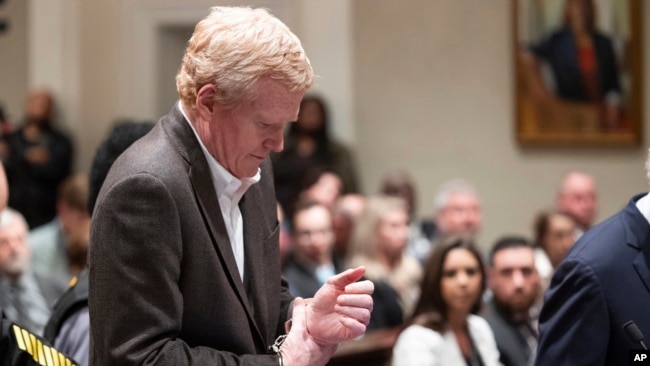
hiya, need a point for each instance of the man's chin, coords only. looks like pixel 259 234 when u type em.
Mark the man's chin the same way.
pixel 13 272
pixel 521 306
pixel 516 307
pixel 248 172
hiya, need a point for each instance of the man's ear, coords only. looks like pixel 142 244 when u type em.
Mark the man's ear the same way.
pixel 205 101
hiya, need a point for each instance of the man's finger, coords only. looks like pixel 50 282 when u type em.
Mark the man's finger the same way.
pixel 361 287
pixel 347 277
pixel 361 315
pixel 355 327
pixel 356 300
pixel 298 315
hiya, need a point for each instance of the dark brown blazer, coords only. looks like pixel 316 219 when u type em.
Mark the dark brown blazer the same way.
pixel 164 285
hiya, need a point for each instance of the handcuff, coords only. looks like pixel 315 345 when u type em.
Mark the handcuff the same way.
pixel 275 347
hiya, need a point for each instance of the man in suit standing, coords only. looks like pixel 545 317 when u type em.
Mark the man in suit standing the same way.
pixel 601 285
pixel 184 262
pixel 514 283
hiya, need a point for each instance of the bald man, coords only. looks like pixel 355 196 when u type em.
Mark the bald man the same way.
pixel 577 197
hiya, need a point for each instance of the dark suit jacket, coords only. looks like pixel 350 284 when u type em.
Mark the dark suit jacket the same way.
pixel 560 51
pixel 513 346
pixel 301 277
pixel 164 285
pixel 603 283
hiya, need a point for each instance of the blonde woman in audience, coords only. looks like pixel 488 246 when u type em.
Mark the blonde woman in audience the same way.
pixel 378 242
pixel 444 329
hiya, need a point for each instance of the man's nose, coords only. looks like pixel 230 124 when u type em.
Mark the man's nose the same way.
pixel 276 142
pixel 462 278
pixel 518 278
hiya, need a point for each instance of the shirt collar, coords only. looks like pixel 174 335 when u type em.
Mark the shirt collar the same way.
pixel 643 204
pixel 225 183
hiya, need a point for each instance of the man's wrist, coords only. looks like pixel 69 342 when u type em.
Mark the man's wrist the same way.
pixel 276 347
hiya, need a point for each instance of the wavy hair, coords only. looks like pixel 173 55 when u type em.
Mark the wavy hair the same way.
pixel 233 47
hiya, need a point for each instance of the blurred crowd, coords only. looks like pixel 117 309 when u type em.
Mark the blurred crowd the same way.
pixel 446 293
pixel 44 231
pixel 431 276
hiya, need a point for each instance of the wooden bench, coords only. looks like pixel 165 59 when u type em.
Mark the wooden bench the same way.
pixel 375 348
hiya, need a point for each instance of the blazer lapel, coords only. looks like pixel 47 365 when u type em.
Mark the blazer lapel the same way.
pixel 209 204
pixel 201 179
pixel 253 239
pixel 641 266
pixel 637 230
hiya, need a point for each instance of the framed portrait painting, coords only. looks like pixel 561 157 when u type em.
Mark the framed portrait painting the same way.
pixel 578 72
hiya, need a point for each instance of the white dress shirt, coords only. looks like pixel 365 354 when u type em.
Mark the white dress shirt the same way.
pixel 229 191
pixel 643 204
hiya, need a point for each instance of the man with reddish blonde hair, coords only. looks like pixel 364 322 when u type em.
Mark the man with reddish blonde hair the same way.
pixel 184 262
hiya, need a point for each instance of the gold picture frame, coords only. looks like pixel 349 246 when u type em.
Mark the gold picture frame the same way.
pixel 578 79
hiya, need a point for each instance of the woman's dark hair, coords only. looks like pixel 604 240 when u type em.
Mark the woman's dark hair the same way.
pixel 431 309
pixel 313 175
pixel 541 224
pixel 321 135
pixel 123 134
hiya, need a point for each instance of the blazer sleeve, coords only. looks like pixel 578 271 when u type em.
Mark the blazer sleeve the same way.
pixel 574 323
pixel 135 302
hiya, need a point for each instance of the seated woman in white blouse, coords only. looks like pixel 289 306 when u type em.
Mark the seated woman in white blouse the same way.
pixel 443 329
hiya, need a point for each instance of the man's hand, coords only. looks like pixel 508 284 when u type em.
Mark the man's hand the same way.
pixel 300 348
pixel 341 309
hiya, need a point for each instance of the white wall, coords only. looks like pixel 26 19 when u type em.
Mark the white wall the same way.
pixel 325 28
pixel 13 62
pixel 54 58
